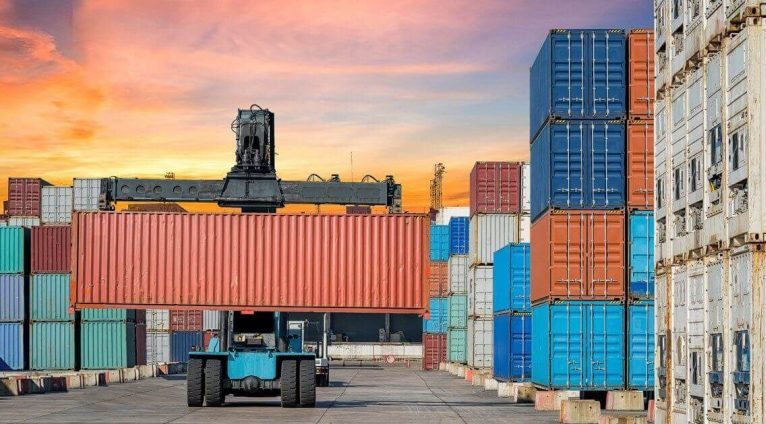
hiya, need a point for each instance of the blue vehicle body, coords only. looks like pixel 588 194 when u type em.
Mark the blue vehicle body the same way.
pixel 263 365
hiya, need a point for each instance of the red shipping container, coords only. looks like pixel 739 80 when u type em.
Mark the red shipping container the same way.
pixel 185 320
pixel 434 350
pixel 260 262
pixel 578 255
pixel 140 344
pixel 438 279
pixel 24 196
pixel 495 187
pixel 641 74
pixel 640 164
pixel 51 249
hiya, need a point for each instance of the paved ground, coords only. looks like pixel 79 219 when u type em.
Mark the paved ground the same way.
pixel 356 395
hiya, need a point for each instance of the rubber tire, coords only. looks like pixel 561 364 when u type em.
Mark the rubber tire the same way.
pixel 214 392
pixel 307 384
pixel 288 383
pixel 195 385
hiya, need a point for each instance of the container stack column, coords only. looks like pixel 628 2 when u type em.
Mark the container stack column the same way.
pixel 457 319
pixel 435 327
pixel 13 288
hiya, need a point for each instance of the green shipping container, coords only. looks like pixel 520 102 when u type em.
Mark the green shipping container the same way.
pixel 49 298
pixel 107 344
pixel 457 345
pixel 108 315
pixel 458 311
pixel 13 250
pixel 52 346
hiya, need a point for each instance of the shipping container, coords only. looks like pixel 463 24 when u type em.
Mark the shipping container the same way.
pixel 641 74
pixel 107 344
pixel 578 74
pixel 319 263
pixel 51 250
pixel 185 320
pixel 12 346
pixel 578 345
pixel 695 295
pixel 49 298
pixel 56 205
pixel 458 273
pixel 525 228
pixel 457 315
pixel 458 235
pixel 640 345
pixel 3 222
pixel 479 345
pixel 86 194
pixel 183 342
pixel 495 187
pixel 52 346
pixel 434 350
pixel 12 298
pixel 13 250
pixel 157 320
pixel 438 279
pixel 439 242
pixel 578 255
pixel 108 315
pixel 24 196
pixel 490 232
pixel 511 279
pixel 157 347
pixel 526 192
pixel 512 347
pixel 457 341
pixel 23 221
pixel 640 164
pixel 716 192
pixel 140 344
pixel 641 254
pixel 662 181
pixel 480 291
pixel 212 320
pixel 445 214
pixel 437 322
pixel 578 165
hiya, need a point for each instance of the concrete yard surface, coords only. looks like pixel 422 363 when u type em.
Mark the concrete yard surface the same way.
pixel 371 394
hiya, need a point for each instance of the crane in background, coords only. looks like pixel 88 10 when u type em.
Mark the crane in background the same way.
pixel 436 188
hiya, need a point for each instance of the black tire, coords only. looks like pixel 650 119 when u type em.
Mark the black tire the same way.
pixel 307 384
pixel 288 383
pixel 195 387
pixel 214 392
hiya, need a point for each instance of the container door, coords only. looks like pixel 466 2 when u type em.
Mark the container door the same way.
pixel 502 280
pixel 567 164
pixel 641 346
pixel 541 338
pixel 567 255
pixel 521 344
pixel 606 334
pixel 607 74
pixel 640 164
pixel 568 68
pixel 519 278
pixel 606 244
pixel 501 357
pixel 607 165
pixel 641 251
pixel 568 345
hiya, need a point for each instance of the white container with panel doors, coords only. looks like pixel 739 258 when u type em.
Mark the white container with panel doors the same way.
pixel 679 343
pixel 661 330
pixel 23 221
pixel 715 191
pixel 213 320
pixel 662 247
pixel 480 291
pixel 157 347
pixel 86 193
pixel 480 342
pixel 678 15
pixel 695 142
pixel 695 298
pixel 694 30
pixel 716 333
pixel 157 320
pixel 56 205
pixel 458 274
pixel 490 232
pixel 661 45
pixel 746 346
pixel 526 192
pixel 678 178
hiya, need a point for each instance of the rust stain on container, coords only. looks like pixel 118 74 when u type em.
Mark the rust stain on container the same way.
pixel 578 255
pixel 495 187
pixel 51 250
pixel 264 262
pixel 640 164
pixel 438 280
pixel 641 74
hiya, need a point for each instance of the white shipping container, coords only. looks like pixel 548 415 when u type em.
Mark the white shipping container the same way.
pixel 526 192
pixel 86 193
pixel 157 320
pixel 713 231
pixel 480 342
pixel 525 227
pixel 736 10
pixel 741 283
pixel 23 221
pixel 715 335
pixel 458 274
pixel 157 347
pixel 662 179
pixel 446 213
pixel 480 291
pixel 715 22
pixel 489 233
pixel 696 332
pixel 213 320
pixel 680 321
pixel 3 223
pixel 56 205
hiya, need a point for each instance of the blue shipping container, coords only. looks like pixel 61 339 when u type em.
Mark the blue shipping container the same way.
pixel 12 298
pixel 512 351
pixel 458 235
pixel 510 279
pixel 641 255
pixel 183 342
pixel 578 74
pixel 579 345
pixel 641 345
pixel 11 346
pixel 439 242
pixel 437 323
pixel 578 165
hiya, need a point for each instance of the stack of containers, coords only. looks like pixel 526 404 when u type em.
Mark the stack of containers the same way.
pixel 578 248
pixel 710 211
pixel 496 220
pixel 457 299
pixel 185 334
pixel 157 330
pixel 24 201
pixel 435 327
pixel 108 338
pixel 512 325
pixel 13 267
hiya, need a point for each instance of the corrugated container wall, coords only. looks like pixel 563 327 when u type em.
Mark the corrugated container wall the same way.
pixel 157 347
pixel 51 249
pixel 512 347
pixel 495 187
pixel 24 196
pixel 490 232
pixel 641 255
pixel 458 273
pixel 12 346
pixel 183 342
pixel 511 278
pixel 434 350
pixel 358 249
pixel 480 291
pixel 86 194
pixel 52 346
pixel 49 298
pixel 438 279
pixel 107 344
pixel 480 342
pixel 458 235
pixel 12 298
pixel 185 320
pixel 211 320
pixel 578 74
pixel 56 205
pixel 157 320
pixel 111 314
pixel 13 250
pixel 640 346
pixel 457 311
pixel 438 320
pixel 439 242
pixel 23 221
pixel 641 74
pixel 640 164
pixel 457 341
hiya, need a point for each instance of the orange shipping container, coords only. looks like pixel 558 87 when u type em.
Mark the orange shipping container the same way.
pixel 641 74
pixel 578 255
pixel 640 159
pixel 438 280
pixel 259 262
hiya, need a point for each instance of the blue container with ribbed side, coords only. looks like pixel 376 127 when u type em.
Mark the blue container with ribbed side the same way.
pixel 12 346
pixel 512 347
pixel 183 342
pixel 438 320
pixel 641 345
pixel 12 298
pixel 439 243
pixel 458 235
pixel 510 279
pixel 641 255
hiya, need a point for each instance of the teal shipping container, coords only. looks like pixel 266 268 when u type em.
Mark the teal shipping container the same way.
pixel 11 346
pixel 52 346
pixel 439 243
pixel 108 315
pixel 49 298
pixel 458 311
pixel 641 255
pixel 457 345
pixel 641 345
pixel 437 322
pixel 107 344
pixel 13 250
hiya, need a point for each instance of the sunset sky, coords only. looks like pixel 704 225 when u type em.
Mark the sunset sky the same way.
pixel 138 88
